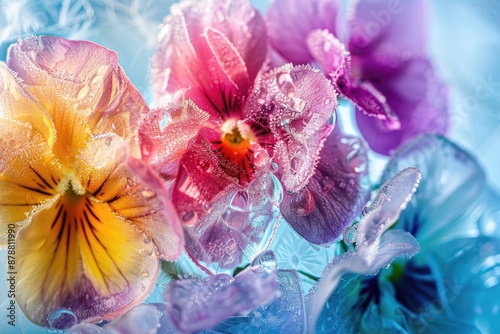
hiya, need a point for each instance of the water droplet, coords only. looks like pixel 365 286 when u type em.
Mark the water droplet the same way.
pixel 83 92
pixel 299 104
pixel 148 193
pixel 239 201
pixel 206 166
pixel 296 163
pixel 62 318
pixel 189 217
pixel 302 202
pixel 349 234
pixel 286 85
pixel 145 252
pixel 274 167
pixel 96 79
pixel 130 182
pixel 328 101
pixel 144 273
pixel 265 261
pixel 220 280
pixel 108 141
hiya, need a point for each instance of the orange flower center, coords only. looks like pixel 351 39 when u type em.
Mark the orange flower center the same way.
pixel 236 140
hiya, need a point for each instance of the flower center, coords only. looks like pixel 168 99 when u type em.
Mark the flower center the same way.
pixel 236 140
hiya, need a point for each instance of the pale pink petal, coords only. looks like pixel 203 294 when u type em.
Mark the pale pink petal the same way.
pixel 290 22
pixel 297 103
pixel 335 194
pixel 164 135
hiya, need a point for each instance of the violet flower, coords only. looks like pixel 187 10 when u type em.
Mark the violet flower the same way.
pixel 383 69
pixel 243 131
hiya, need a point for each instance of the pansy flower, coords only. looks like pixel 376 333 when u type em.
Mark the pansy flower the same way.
pixel 442 288
pixel 90 218
pixel 244 134
pixel 383 68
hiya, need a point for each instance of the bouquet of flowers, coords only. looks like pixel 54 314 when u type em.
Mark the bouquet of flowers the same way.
pixel 287 169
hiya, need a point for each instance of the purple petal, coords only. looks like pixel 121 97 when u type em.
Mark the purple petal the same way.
pixel 330 53
pixel 195 305
pixel 334 195
pixel 393 244
pixel 417 98
pixel 143 318
pixel 386 33
pixel 297 103
pixel 290 22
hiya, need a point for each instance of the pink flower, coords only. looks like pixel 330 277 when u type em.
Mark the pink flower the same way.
pixel 244 130
pixel 383 69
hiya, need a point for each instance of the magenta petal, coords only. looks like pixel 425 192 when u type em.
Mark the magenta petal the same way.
pixel 221 217
pixel 210 53
pixel 195 305
pixel 290 22
pixel 330 53
pixel 334 195
pixel 386 33
pixel 297 103
pixel 417 98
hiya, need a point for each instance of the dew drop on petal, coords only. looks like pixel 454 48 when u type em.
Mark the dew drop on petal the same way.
pixel 296 163
pixel 130 182
pixel 349 234
pixel 189 217
pixel 148 193
pixel 62 318
pixel 144 273
pixel 220 280
pixel 266 261
pixel 285 83
pixel 82 93
pixel 239 201
pixel 302 202
pixel 108 141
pixel 274 167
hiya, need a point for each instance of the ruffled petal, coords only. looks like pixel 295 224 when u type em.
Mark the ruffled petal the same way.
pixel 132 191
pixel 335 194
pixel 285 315
pixel 29 172
pixel 297 103
pixel 374 249
pixel 196 305
pixel 164 135
pixel 209 52
pixel 290 22
pixel 385 33
pixel 222 218
pixel 75 247
pixel 330 53
pixel 81 86
pixel 418 99
pixel 452 182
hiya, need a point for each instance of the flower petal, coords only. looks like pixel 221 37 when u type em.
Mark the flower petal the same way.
pixel 29 172
pixel 330 53
pixel 196 305
pixel 209 52
pixel 222 219
pixel 81 86
pixel 164 135
pixel 75 249
pixel 335 194
pixel 417 97
pixel 298 102
pixel 132 191
pixel 452 182
pixel 143 318
pixel 385 33
pixel 287 36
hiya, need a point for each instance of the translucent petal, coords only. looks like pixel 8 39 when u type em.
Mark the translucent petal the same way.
pixel 196 305
pixel 81 86
pixel 297 103
pixel 452 182
pixel 143 318
pixel 289 38
pixel 334 195
pixel 133 192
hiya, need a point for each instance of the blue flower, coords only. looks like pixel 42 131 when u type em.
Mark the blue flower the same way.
pixel 444 287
